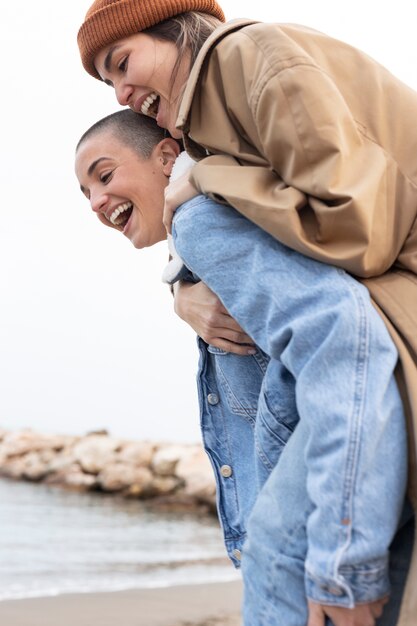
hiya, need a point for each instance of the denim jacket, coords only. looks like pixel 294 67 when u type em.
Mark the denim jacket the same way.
pixel 324 357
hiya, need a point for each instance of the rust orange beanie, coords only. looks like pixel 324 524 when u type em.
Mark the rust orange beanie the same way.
pixel 107 21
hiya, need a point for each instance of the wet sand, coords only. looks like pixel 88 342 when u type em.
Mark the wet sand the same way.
pixel 214 604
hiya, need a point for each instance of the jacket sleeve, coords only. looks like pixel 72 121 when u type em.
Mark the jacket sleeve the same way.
pixel 329 190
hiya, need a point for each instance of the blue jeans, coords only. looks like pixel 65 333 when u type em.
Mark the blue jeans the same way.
pixel 273 561
pixel 331 365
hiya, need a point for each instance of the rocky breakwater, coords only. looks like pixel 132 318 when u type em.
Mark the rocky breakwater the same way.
pixel 179 476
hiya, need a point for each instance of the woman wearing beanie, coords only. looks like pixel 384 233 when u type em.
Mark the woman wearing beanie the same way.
pixel 294 129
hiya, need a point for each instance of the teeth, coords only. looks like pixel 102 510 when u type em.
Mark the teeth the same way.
pixel 147 103
pixel 118 211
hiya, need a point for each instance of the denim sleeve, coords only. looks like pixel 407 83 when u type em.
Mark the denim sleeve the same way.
pixel 319 322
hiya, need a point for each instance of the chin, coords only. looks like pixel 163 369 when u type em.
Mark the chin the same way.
pixel 175 133
pixel 136 243
pixel 139 245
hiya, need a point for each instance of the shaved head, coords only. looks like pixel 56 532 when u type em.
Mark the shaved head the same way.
pixel 137 131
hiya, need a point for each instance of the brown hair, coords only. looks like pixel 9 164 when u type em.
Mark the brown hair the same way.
pixel 188 31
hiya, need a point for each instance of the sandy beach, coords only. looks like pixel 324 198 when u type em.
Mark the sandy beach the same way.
pixel 214 604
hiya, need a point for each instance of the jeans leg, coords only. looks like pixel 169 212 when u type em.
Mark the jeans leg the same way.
pixel 276 545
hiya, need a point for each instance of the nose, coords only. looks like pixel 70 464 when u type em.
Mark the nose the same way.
pixel 99 202
pixel 123 93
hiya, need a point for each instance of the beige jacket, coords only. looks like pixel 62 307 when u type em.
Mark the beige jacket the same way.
pixel 328 138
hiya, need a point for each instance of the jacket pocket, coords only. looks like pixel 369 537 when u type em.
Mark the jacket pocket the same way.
pixel 239 379
pixel 277 414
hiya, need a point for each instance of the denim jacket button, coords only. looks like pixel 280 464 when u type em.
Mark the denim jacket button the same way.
pixel 226 471
pixel 237 554
pixel 213 398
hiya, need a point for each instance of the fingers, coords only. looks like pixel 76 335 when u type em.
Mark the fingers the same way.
pixel 236 341
pixel 234 336
pixel 167 217
pixel 211 329
pixel 176 193
pixel 377 607
pixel 229 346
pixel 363 614
pixel 202 310
pixel 226 326
pixel 316 615
pixel 171 203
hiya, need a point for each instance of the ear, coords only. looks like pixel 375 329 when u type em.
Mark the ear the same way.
pixel 167 150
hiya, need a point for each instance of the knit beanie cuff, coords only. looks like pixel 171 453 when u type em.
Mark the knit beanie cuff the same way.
pixel 108 21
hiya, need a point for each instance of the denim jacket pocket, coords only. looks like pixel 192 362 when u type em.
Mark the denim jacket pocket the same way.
pixel 239 379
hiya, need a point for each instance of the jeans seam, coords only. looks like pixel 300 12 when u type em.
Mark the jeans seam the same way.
pixel 261 454
pixel 261 361
pixel 352 458
pixel 281 416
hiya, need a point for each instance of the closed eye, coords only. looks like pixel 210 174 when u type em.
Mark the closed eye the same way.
pixel 104 178
pixel 123 64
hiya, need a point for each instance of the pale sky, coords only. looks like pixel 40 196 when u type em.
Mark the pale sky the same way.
pixel 88 337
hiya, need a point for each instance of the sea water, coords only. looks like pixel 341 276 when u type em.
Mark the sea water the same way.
pixel 55 541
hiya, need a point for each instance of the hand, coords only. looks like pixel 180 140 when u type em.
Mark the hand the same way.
pixel 176 193
pixel 361 615
pixel 197 305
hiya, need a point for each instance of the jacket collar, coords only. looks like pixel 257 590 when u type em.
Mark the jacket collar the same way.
pixel 215 37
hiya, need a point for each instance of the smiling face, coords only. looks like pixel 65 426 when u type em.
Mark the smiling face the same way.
pixel 126 190
pixel 140 68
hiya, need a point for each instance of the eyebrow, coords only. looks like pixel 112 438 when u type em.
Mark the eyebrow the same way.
pixel 95 163
pixel 109 55
pixel 92 167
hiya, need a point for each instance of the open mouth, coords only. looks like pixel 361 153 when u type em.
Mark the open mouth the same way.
pixel 120 216
pixel 150 105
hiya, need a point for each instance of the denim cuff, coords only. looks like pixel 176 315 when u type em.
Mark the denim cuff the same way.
pixel 352 586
